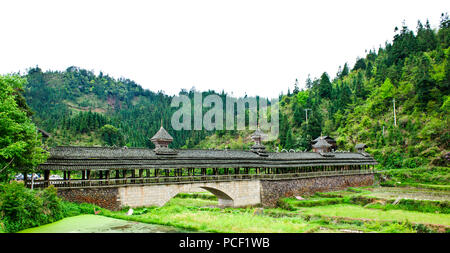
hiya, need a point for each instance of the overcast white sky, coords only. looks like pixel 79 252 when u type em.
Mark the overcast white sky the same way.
pixel 254 47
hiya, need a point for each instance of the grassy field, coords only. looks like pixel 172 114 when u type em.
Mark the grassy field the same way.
pixel 200 215
pixel 352 210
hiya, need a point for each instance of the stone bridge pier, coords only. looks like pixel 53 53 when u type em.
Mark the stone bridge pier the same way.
pixel 229 194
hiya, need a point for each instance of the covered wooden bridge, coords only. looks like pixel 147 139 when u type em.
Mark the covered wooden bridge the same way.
pixel 85 167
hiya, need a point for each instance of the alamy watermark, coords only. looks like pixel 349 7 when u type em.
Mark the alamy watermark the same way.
pixel 192 116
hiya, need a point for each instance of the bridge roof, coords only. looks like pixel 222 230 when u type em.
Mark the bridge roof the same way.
pixel 105 158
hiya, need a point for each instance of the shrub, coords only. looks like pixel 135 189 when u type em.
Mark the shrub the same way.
pixel 414 162
pixel 435 175
pixel 329 194
pixel 291 204
pixel 421 228
pixel 426 206
pixel 397 228
pixel 70 209
pixel 51 203
pixel 390 160
pixel 388 183
pixel 281 203
pixel 22 208
pixel 353 189
pixel 359 200
pixel 196 196
pixel 320 202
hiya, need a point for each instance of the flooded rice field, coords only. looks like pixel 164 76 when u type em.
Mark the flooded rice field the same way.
pixel 90 223
pixel 410 193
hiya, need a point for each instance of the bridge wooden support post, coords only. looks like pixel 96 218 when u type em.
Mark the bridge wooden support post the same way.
pixel 46 177
pixel 156 175
pixel 133 176
pixel 88 176
pixel 141 172
pixel 64 177
pixel 25 178
pixel 124 181
pixel 107 176
pixel 100 176
pixel 116 181
pixel 68 177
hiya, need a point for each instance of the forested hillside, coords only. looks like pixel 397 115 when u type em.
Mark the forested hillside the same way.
pixel 357 106
pixel 78 107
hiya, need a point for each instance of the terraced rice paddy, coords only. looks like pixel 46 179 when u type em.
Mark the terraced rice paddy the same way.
pixel 355 210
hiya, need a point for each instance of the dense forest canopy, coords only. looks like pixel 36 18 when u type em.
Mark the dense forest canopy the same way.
pixel 80 108
pixel 75 105
pixel 357 106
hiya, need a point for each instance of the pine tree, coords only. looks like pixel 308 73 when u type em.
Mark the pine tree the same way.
pixel 296 89
pixel 325 86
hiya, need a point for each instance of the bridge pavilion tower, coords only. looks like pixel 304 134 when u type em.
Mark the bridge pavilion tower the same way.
pixel 258 147
pixel 321 146
pixel 162 139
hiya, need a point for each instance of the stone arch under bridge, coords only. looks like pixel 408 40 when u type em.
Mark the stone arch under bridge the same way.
pixel 229 194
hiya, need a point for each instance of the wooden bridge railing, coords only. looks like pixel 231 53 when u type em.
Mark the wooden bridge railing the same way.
pixel 111 182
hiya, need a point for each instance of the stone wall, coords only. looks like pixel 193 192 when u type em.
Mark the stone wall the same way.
pixel 234 193
pixel 104 197
pixel 272 190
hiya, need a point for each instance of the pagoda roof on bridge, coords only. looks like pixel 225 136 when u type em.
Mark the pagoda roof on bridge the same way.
pixel 106 158
pixel 162 134
pixel 321 143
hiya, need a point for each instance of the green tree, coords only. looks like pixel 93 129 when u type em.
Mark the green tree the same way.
pixel 325 86
pixel 360 64
pixel 426 38
pixel 422 80
pixel 111 135
pixel 289 140
pixel 20 143
pixel 296 89
pixel 444 31
pixel 344 72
